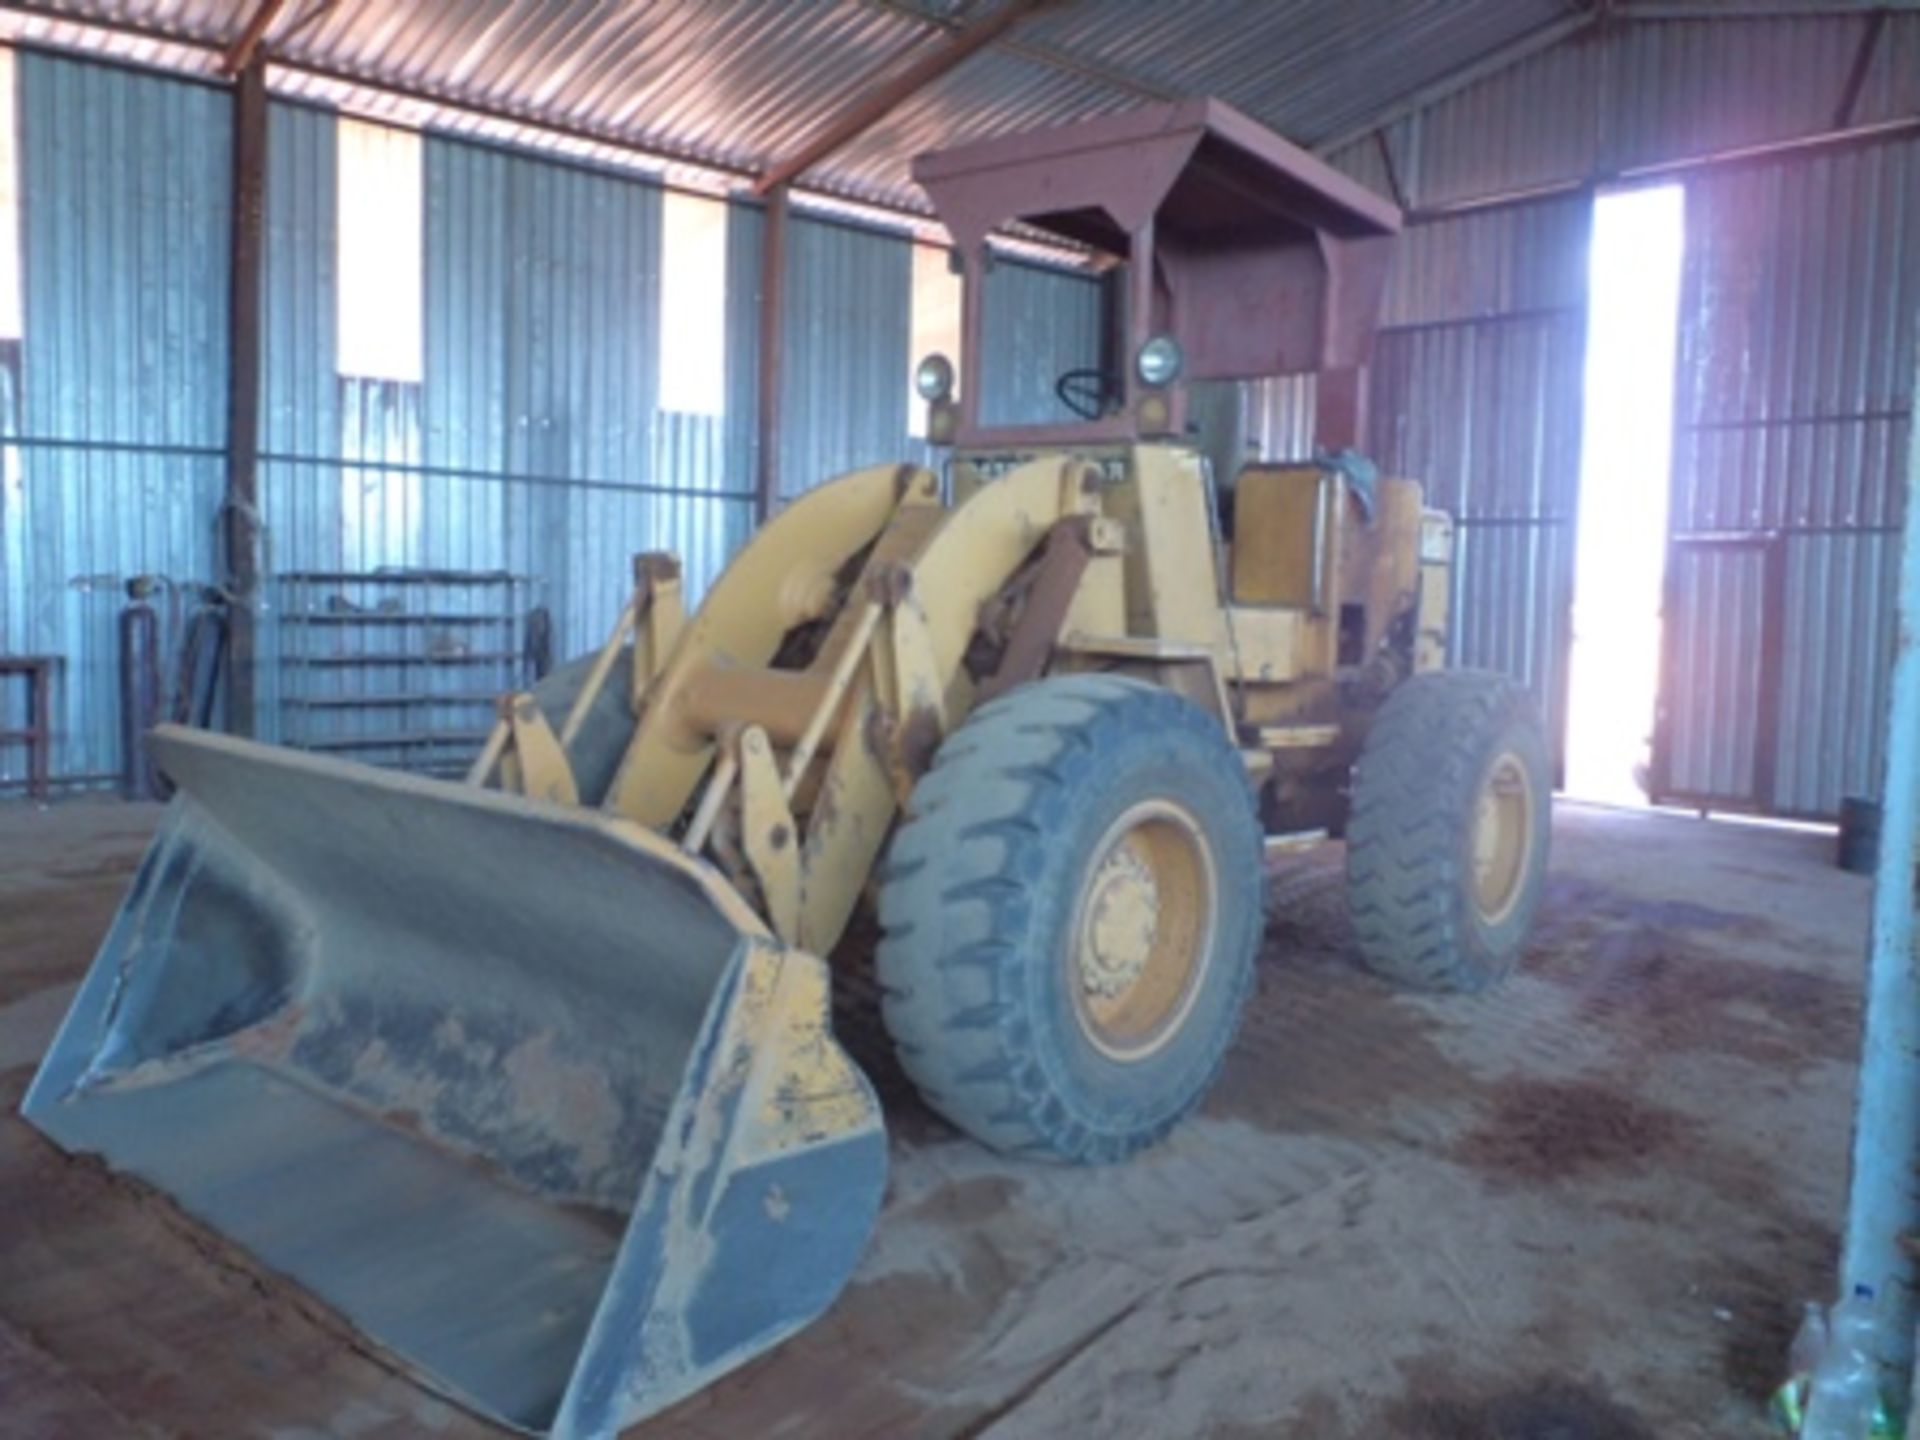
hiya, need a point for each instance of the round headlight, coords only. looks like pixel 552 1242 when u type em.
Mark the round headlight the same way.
pixel 1159 361
pixel 933 378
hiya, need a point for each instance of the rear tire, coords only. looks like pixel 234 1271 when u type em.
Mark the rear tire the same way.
pixel 1070 915
pixel 1447 841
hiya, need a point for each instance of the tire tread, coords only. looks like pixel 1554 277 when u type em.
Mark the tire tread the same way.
pixel 1419 767
pixel 957 900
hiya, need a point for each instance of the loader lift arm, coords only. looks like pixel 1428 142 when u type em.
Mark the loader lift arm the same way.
pixel 799 772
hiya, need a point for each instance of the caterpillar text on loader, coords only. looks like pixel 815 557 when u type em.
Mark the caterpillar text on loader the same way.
pixel 532 1078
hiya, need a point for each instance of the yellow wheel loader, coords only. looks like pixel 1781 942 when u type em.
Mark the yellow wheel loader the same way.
pixel 532 1077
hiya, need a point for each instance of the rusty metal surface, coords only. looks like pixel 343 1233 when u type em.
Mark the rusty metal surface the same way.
pixel 550 1119
pixel 1255 256
pixel 738 83
pixel 1129 162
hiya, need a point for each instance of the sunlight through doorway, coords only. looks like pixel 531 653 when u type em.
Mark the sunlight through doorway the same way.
pixel 1634 304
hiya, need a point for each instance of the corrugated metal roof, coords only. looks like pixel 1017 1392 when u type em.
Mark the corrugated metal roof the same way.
pixel 1309 69
pixel 1697 87
pixel 737 83
pixel 1634 95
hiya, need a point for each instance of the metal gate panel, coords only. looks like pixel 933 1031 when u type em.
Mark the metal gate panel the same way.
pixel 1834 668
pixel 1722 603
pixel 1793 404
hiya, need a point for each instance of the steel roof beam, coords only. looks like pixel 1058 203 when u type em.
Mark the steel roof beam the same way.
pixel 958 47
pixel 1754 9
pixel 1543 37
pixel 240 54
pixel 1046 55
pixel 1607 12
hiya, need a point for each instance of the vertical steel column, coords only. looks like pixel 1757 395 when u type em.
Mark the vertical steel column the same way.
pixel 773 284
pixel 1883 1209
pixel 973 329
pixel 241 511
pixel 1140 307
pixel 1340 409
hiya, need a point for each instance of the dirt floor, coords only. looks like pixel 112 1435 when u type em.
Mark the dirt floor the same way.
pixel 1583 1208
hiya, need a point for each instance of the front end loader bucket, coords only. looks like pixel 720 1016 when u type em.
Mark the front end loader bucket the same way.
pixel 528 1096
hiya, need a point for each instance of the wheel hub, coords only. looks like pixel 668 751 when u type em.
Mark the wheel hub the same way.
pixel 1142 931
pixel 1123 911
pixel 1502 838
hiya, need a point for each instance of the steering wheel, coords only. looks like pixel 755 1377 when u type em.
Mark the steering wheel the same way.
pixel 1086 392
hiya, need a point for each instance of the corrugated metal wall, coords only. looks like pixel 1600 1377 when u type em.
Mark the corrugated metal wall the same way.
pixel 1801 283
pixel 534 442
pixel 844 365
pixel 1715 682
pixel 300 390
pixel 746 224
pixel 121 378
pixel 846 329
pixel 1792 397
pixel 533 445
pixel 1280 416
pixel 1476 391
pixel 539 447
pixel 1635 94
pixel 1039 324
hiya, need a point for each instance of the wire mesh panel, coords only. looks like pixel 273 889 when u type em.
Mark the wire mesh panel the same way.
pixel 400 667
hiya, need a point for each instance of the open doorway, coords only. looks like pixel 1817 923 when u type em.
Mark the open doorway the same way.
pixel 1633 306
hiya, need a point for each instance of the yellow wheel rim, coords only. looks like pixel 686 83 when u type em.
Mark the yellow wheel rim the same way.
pixel 1142 932
pixel 1502 837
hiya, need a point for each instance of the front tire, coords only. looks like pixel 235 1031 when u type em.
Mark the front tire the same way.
pixel 1447 841
pixel 1070 915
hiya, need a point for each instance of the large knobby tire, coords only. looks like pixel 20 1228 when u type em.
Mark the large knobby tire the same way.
pixel 1070 915
pixel 1447 841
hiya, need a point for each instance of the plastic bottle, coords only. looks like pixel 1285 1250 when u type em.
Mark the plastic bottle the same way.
pixel 1845 1390
pixel 1809 1341
pixel 1788 1407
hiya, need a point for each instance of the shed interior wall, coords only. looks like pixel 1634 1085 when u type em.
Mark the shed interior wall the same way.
pixel 534 442
pixel 1794 378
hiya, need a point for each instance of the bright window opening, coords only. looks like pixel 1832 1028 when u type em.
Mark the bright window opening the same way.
pixel 380 251
pixel 11 316
pixel 935 325
pixel 1633 307
pixel 693 305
